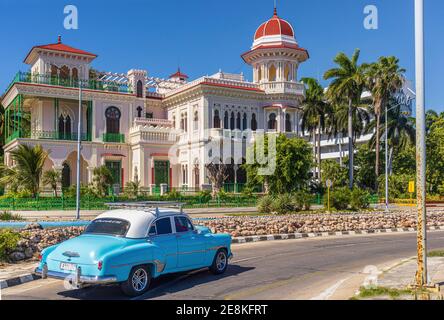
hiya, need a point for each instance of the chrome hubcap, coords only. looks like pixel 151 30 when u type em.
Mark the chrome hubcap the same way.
pixel 221 261
pixel 139 280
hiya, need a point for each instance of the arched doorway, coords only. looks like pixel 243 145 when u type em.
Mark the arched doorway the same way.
pixel 112 115
pixel 66 176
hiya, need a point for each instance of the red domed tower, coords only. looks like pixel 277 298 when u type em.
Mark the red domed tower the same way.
pixel 275 55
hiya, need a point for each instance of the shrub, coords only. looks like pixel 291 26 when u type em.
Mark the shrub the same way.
pixel 71 192
pixel 204 196
pixel 359 199
pixel 8 216
pixel 265 204
pixel 222 195
pixel 173 195
pixel 284 204
pixel 247 192
pixel 303 200
pixel 8 241
pixel 339 198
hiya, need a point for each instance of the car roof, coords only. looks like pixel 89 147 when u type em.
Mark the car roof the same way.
pixel 139 220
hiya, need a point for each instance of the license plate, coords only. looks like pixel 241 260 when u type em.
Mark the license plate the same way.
pixel 68 266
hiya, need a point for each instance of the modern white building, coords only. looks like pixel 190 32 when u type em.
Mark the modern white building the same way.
pixel 135 123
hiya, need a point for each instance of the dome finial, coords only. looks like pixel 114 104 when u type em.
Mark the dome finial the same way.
pixel 59 39
pixel 275 9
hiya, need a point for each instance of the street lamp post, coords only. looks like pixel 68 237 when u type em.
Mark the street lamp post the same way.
pixel 421 275
pixel 79 149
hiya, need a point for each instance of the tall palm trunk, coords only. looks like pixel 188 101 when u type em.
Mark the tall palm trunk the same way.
pixel 319 149
pixel 314 152
pixel 350 143
pixel 378 125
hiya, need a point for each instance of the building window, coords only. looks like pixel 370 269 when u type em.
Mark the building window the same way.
pixel 139 89
pixel 75 74
pixel 196 121
pixel 232 120
pixel 238 121
pixel 149 115
pixel 112 115
pixel 64 127
pixel 66 176
pixel 184 122
pixel 272 73
pixel 272 122
pixel 244 122
pixel 259 73
pixel 216 120
pixel 253 122
pixel 226 121
pixel 139 112
pixel 287 72
pixel 174 122
pixel 288 123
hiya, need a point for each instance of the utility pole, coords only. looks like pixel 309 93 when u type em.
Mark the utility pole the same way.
pixel 79 148
pixel 421 275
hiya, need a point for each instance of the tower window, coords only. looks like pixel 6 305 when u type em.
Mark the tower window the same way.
pixel 139 112
pixel 113 116
pixel 216 120
pixel 139 89
pixel 272 73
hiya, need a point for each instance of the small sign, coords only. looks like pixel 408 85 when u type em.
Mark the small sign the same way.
pixel 329 183
pixel 412 187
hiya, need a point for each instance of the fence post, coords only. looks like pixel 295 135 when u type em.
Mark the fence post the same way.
pixel 63 201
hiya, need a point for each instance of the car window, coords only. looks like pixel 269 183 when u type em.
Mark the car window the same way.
pixel 182 224
pixel 115 227
pixel 153 230
pixel 163 226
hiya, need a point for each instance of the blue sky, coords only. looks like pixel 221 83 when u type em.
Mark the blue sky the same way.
pixel 203 36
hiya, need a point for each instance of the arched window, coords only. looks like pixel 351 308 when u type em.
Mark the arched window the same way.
pixel 253 122
pixel 259 73
pixel 272 123
pixel 272 73
pixel 174 122
pixel 64 73
pixel 216 120
pixel 232 121
pixel 139 112
pixel 238 121
pixel 139 89
pixel 244 122
pixel 66 176
pixel 75 74
pixel 226 121
pixel 64 128
pixel 288 123
pixel 287 72
pixel 112 115
pixel 54 71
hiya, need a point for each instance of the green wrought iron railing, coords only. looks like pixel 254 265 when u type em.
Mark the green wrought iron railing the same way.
pixel 13 136
pixel 48 79
pixel 114 137
pixel 54 135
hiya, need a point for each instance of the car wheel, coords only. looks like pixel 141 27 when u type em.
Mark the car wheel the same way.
pixel 220 262
pixel 138 282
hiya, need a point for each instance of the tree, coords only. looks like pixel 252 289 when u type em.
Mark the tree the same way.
pixel 365 168
pixel 435 155
pixel 217 173
pixel 102 179
pixel 293 164
pixel 315 109
pixel 384 78
pixel 348 83
pixel 52 178
pixel 335 172
pixel 28 169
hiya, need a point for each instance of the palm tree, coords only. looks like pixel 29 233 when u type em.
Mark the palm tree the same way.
pixel 384 78
pixel 52 178
pixel 348 84
pixel 315 111
pixel 102 179
pixel 28 169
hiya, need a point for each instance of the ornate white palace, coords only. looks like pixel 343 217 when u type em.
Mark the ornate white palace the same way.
pixel 131 121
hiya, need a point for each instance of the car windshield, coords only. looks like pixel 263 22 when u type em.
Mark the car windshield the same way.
pixel 115 227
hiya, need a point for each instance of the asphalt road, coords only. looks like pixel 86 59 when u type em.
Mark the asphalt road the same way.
pixel 293 269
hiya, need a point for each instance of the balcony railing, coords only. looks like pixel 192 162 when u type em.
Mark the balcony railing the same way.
pixel 114 137
pixel 54 135
pixel 283 87
pixel 48 79
pixel 153 122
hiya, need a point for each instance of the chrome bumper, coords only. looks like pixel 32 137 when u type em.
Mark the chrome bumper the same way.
pixel 75 278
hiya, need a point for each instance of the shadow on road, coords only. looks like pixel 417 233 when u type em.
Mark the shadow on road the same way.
pixel 161 286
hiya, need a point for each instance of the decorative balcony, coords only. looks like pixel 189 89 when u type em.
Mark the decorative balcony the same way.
pixel 114 137
pixel 283 87
pixel 152 134
pixel 101 85
pixel 55 135
pixel 153 122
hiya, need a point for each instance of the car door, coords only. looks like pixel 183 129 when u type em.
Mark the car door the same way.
pixel 161 234
pixel 190 244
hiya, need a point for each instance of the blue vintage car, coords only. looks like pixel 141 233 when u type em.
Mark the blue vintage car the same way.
pixel 133 246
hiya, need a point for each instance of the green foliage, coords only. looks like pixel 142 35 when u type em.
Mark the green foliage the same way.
pixel 85 191
pixel 52 178
pixel 8 241
pixel 303 200
pixel 398 186
pixel 283 204
pixel 435 155
pixel 17 194
pixel 8 216
pixel 204 196
pixel 102 180
pixel 132 189
pixel 293 164
pixel 222 195
pixel 340 198
pixel 365 175
pixel 265 204
pixel 173 195
pixel 359 199
pixel 332 170
pixel 404 161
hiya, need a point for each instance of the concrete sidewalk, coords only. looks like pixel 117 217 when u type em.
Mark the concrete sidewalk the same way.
pixel 15 274
pixel 90 214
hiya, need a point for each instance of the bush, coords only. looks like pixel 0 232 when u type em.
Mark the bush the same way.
pixel 204 196
pixel 359 199
pixel 265 204
pixel 173 195
pixel 339 198
pixel 284 204
pixel 8 216
pixel 222 195
pixel 8 241
pixel 71 192
pixel 303 200
pixel 247 192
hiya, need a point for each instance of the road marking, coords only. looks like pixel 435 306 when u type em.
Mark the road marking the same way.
pixel 330 291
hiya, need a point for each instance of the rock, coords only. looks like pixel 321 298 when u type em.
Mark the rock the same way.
pixel 29 253
pixel 33 226
pixel 17 256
